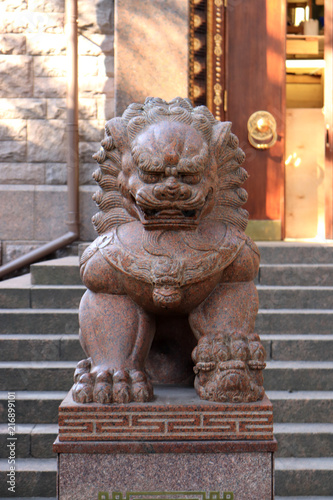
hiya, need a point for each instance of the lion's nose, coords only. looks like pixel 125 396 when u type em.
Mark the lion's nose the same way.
pixel 165 192
pixel 171 190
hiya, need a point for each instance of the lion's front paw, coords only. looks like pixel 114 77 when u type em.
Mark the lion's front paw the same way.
pixel 229 368
pixel 110 386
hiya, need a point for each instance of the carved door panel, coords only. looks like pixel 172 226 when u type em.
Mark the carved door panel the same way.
pixel 255 80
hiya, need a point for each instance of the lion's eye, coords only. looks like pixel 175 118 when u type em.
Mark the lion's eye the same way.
pixel 156 163
pixel 149 178
pixel 144 161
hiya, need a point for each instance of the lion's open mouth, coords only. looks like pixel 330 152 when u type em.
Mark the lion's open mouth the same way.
pixel 170 213
pixel 169 218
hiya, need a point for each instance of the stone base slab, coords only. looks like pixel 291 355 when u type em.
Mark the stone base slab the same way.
pixel 176 414
pixel 166 476
pixel 108 447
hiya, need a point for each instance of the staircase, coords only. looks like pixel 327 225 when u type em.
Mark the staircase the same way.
pixel 295 286
pixel 39 351
pixel 40 348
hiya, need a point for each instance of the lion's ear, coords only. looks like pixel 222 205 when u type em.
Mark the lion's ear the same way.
pixel 108 199
pixel 220 137
pixel 229 195
pixel 117 129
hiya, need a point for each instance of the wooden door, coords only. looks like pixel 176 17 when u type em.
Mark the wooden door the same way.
pixel 255 80
pixel 329 118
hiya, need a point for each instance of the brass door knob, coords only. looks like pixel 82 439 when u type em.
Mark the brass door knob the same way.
pixel 261 128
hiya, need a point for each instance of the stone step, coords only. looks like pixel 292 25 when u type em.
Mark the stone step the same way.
pixel 304 440
pixel 18 293
pixel 56 296
pixel 33 440
pixel 22 347
pixel 58 347
pixel 302 406
pixel 290 252
pixel 296 407
pixel 282 252
pixel 294 440
pixel 297 498
pixel 58 375
pixel 63 271
pixel 33 406
pixel 55 321
pixel 15 292
pixel 293 476
pixel 304 476
pixel 35 321
pixel 296 274
pixel 35 477
pixel 298 347
pixel 295 297
pixel 294 321
pixel 298 375
pixel 39 375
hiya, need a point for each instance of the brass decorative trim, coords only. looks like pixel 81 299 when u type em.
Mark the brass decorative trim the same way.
pixel 207 71
pixel 197 52
pixel 209 51
pixel 191 53
pixel 218 53
pixel 166 495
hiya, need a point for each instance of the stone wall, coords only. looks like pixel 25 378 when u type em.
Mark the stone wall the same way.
pixel 33 192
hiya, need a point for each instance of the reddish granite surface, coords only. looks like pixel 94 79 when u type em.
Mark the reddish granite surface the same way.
pixel 128 447
pixel 171 476
pixel 176 414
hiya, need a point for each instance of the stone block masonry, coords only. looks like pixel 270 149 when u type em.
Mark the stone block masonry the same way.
pixel 33 73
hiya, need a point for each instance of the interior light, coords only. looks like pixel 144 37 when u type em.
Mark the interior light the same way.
pixel 321 227
pixel 307 13
pixel 305 63
pixel 288 160
pixel 299 15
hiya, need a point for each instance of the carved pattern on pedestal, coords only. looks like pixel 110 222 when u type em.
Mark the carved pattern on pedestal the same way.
pixel 221 423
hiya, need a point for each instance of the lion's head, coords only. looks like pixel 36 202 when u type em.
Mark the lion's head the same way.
pixel 169 165
pixel 167 177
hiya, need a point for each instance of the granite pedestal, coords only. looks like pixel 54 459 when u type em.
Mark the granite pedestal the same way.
pixel 176 447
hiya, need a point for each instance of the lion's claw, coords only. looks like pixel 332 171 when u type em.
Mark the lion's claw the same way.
pixel 108 386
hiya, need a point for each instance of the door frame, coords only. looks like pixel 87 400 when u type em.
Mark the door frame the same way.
pixel 328 79
pixel 205 89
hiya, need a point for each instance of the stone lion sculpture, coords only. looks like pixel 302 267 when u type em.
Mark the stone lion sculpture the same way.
pixel 172 270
